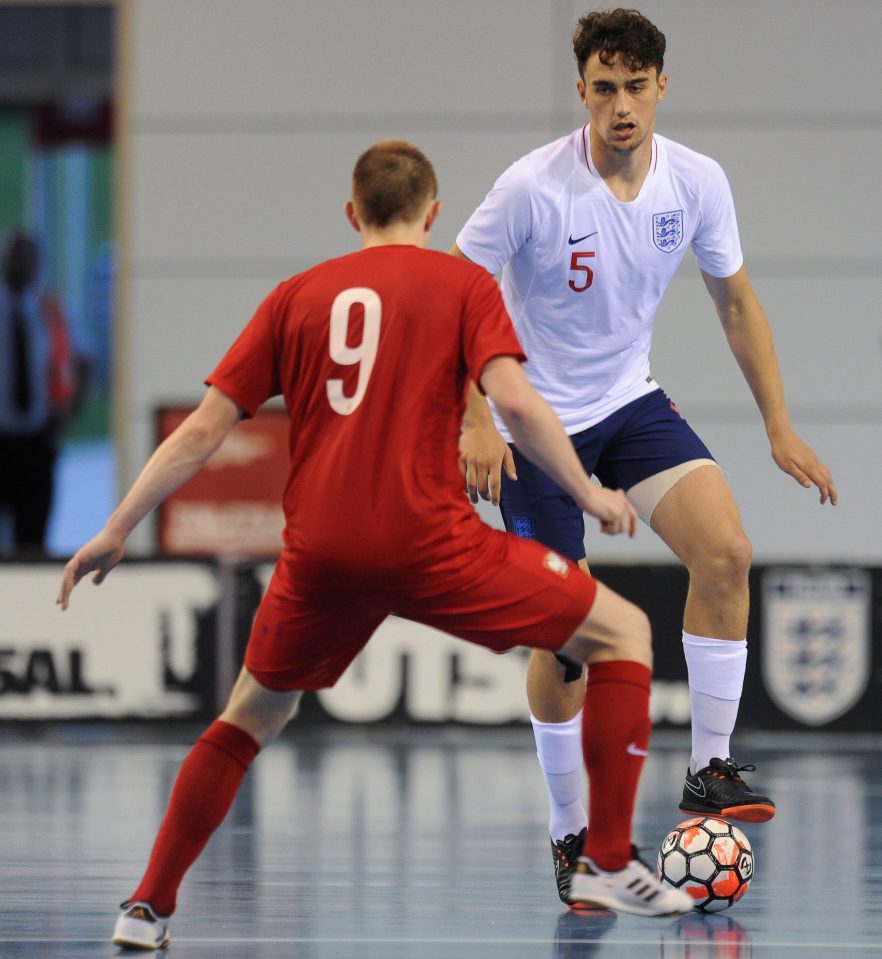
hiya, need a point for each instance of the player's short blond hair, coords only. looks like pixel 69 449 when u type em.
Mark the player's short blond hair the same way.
pixel 392 181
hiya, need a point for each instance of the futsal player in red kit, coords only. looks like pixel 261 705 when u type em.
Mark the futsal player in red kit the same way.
pixel 373 353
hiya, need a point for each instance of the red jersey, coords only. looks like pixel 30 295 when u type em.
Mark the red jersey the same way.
pixel 373 353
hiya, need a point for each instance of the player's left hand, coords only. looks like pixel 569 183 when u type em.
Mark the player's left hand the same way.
pixel 612 509
pixel 483 455
pixel 101 554
pixel 796 457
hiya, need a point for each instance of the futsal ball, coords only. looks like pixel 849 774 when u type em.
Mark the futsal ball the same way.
pixel 708 858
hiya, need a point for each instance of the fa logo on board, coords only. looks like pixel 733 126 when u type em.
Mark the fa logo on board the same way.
pixel 667 230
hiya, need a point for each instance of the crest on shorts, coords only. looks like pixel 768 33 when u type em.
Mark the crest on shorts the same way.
pixel 523 526
pixel 816 641
pixel 667 230
pixel 557 564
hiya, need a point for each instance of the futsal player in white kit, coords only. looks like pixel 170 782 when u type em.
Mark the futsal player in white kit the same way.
pixel 588 232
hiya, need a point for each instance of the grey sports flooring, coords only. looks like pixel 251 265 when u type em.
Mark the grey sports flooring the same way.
pixel 391 843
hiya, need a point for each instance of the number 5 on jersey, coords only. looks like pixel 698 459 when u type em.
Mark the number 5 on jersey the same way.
pixel 364 354
pixel 584 274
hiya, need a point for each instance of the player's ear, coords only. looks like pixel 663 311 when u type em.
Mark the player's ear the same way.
pixel 662 86
pixel 349 210
pixel 432 214
pixel 580 86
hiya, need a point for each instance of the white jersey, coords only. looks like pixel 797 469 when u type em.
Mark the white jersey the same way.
pixel 584 272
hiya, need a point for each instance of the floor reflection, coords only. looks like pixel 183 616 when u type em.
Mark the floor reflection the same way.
pixel 419 844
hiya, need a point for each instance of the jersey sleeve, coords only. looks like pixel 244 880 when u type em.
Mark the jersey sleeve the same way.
pixel 487 327
pixel 716 243
pixel 503 223
pixel 248 372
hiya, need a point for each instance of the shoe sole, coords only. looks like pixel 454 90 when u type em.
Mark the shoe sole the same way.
pixel 601 902
pixel 140 946
pixel 749 812
pixel 586 907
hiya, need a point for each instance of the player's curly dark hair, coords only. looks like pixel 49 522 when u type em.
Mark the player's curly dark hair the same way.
pixel 624 33
pixel 391 181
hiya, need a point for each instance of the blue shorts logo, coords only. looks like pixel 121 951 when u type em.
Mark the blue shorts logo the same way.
pixel 523 526
pixel 667 230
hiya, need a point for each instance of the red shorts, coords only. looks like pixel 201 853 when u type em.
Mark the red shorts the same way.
pixel 525 595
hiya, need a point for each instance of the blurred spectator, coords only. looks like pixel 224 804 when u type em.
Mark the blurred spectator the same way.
pixel 42 382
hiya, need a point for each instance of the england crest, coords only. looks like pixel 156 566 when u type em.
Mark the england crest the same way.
pixel 816 641
pixel 667 230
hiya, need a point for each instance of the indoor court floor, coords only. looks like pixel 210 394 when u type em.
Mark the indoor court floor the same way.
pixel 415 844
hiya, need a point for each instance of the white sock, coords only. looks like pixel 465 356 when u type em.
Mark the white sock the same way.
pixel 559 748
pixel 716 678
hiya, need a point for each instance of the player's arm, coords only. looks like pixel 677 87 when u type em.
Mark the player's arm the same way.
pixel 483 453
pixel 750 339
pixel 539 435
pixel 176 460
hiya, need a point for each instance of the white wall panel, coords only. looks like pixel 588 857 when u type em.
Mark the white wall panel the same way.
pixel 262 193
pixel 791 191
pixel 826 330
pixel 794 60
pixel 202 199
pixel 268 59
pixel 243 121
pixel 187 325
pixel 785 521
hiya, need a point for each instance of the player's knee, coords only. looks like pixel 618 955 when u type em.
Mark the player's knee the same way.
pixel 262 716
pixel 728 563
pixel 635 640
pixel 736 555
pixel 627 635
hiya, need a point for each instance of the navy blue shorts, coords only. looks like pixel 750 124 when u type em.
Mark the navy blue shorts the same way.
pixel 641 439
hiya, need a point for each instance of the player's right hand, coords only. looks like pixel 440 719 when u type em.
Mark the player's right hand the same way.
pixel 612 509
pixel 101 554
pixel 483 454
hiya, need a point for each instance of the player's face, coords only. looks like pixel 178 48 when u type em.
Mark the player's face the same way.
pixel 621 102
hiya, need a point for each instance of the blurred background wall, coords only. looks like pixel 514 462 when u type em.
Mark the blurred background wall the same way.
pixel 177 158
pixel 235 129
pixel 241 123
pixel 57 183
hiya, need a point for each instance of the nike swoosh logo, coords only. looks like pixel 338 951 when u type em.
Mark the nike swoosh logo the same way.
pixel 694 789
pixel 579 239
pixel 634 750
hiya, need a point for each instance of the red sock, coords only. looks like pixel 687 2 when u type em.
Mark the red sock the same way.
pixel 615 737
pixel 201 797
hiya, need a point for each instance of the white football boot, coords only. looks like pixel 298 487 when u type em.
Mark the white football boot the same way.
pixel 138 927
pixel 635 889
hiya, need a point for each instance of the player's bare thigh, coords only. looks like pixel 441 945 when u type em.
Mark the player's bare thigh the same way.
pixel 646 495
pixel 698 519
pixel 614 629
pixel 260 712
pixel 700 522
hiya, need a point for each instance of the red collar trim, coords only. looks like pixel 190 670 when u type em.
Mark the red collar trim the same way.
pixel 654 163
pixel 585 149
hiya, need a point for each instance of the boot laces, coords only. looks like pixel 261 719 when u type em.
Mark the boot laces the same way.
pixel 734 769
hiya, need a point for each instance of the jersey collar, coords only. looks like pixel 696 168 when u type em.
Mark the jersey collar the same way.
pixel 586 153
